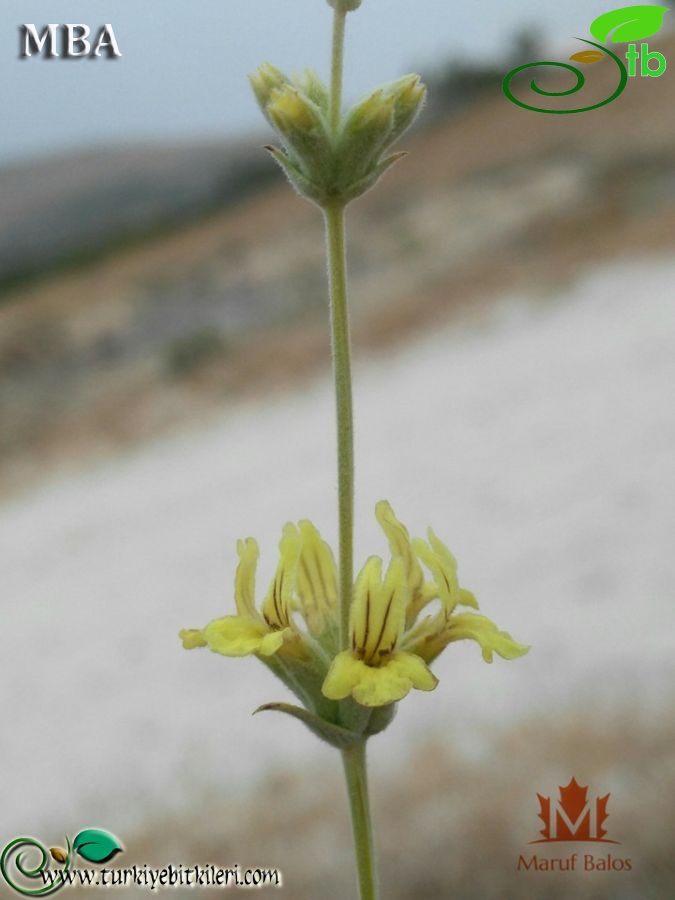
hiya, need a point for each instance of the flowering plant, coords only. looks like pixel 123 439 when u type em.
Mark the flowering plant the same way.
pixel 348 649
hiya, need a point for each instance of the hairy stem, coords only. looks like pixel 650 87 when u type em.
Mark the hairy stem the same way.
pixel 337 269
pixel 354 759
pixel 339 22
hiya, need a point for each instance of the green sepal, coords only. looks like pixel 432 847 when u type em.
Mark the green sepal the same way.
pixel 332 734
pixel 366 720
pixel 303 128
pixel 295 175
pixel 314 88
pixel 409 95
pixel 364 136
pixel 354 716
pixel 381 718
pixel 365 184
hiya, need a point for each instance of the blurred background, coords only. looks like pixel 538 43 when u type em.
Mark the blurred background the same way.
pixel 165 389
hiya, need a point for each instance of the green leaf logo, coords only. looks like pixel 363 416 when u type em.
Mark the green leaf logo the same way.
pixel 630 23
pixel 96 845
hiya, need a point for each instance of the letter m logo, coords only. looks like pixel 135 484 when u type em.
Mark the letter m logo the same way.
pixel 573 817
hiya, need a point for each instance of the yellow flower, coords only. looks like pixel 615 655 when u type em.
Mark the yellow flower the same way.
pixel 375 672
pixel 432 635
pixel 399 545
pixel 250 631
pixel 391 644
pixel 390 647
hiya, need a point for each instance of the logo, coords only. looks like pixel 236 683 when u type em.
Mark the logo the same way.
pixel 74 43
pixel 573 817
pixel 628 25
pixel 33 870
pixel 93 844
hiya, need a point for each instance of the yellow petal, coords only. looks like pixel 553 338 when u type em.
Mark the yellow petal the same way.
pixel 378 609
pixel 443 566
pixel 191 638
pixel 316 578
pixel 400 545
pixel 466 598
pixel 425 635
pixel 377 685
pixel 343 676
pixel 279 600
pixel 388 613
pixel 242 636
pixel 244 581
pixel 486 633
pixel 399 541
pixel 367 583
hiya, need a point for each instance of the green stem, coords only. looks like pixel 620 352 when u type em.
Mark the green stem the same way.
pixel 339 22
pixel 337 270
pixel 354 759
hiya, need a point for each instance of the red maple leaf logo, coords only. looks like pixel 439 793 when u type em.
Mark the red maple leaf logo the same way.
pixel 574 817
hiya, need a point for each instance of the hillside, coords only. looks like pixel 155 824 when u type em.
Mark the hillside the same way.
pixel 156 334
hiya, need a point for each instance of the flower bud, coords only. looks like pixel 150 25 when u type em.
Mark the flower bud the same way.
pixel 370 129
pixel 265 81
pixel 364 136
pixel 289 111
pixel 344 5
pixel 313 87
pixel 303 127
pixel 408 94
pixel 329 166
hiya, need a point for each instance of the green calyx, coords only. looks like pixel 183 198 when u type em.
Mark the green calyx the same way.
pixel 370 722
pixel 333 166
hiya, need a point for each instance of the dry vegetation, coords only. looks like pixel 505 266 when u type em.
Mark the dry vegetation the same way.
pixel 163 332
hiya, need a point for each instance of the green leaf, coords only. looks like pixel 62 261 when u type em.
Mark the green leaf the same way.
pixel 334 735
pixel 96 845
pixel 630 23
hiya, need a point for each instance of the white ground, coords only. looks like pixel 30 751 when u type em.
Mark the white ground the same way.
pixel 538 444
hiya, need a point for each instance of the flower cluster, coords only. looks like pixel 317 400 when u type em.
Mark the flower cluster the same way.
pixel 325 164
pixel 394 632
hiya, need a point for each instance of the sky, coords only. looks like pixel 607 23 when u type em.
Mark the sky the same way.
pixel 182 75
